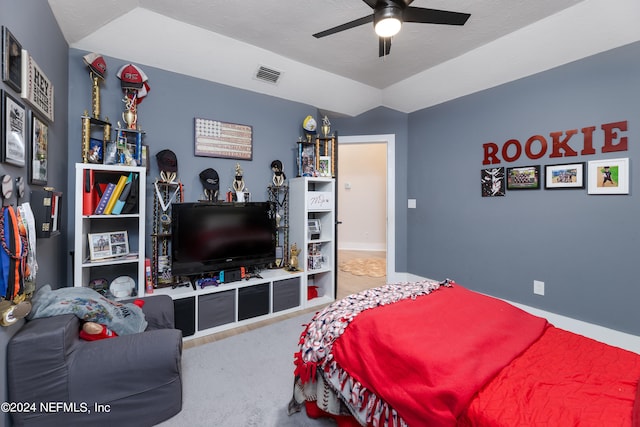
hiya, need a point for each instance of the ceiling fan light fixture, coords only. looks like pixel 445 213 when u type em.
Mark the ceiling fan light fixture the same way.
pixel 387 21
pixel 388 27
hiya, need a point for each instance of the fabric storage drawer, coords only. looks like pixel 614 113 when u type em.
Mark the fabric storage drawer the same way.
pixel 286 294
pixel 253 301
pixel 216 309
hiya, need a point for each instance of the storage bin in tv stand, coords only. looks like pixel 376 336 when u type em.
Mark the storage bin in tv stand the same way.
pixel 213 309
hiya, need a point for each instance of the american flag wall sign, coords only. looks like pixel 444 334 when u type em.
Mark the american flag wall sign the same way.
pixel 225 140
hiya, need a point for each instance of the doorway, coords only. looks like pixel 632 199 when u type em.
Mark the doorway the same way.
pixel 367 165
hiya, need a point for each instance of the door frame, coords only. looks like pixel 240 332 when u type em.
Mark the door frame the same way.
pixel 390 141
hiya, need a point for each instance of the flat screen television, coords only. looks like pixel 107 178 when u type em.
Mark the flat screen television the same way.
pixel 212 237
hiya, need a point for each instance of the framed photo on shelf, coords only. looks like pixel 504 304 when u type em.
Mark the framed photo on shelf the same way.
pixel 306 159
pixel 324 166
pixel 523 178
pixel 39 150
pixel 108 245
pixel 567 176
pixel 14 130
pixel 609 176
pixel 11 60
pixel 214 138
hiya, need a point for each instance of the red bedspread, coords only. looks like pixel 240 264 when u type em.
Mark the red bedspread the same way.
pixel 563 379
pixel 412 355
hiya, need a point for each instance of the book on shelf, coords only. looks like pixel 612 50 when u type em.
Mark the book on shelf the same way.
pixel 89 194
pixel 117 208
pixel 115 195
pixel 131 204
pixel 104 199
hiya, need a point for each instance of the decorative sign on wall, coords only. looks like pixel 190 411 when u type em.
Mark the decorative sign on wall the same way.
pixel 537 146
pixel 37 89
pixel 609 176
pixel 225 140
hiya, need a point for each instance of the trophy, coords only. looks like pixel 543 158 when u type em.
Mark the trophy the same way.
pixel 326 126
pixel 130 114
pixel 97 68
pixel 135 87
pixel 238 184
pixel 92 153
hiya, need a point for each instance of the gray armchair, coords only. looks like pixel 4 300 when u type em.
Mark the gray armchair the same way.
pixel 127 380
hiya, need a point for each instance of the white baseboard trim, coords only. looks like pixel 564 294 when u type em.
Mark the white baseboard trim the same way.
pixel 596 332
pixel 355 246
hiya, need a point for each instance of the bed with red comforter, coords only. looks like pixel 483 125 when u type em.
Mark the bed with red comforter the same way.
pixel 438 354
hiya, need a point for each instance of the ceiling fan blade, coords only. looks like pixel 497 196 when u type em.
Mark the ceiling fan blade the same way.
pixel 371 3
pixel 348 25
pixel 434 16
pixel 384 46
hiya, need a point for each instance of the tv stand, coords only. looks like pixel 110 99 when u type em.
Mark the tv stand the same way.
pixel 210 309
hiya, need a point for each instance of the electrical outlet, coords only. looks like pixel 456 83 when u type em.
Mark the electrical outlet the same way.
pixel 538 287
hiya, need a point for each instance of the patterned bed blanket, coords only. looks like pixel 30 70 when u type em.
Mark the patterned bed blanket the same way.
pixel 394 355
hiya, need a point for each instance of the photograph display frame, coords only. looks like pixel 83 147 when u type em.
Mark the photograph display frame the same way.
pixel 11 60
pixel 493 182
pixel 609 170
pixel 14 130
pixel 39 150
pixel 215 138
pixel 108 245
pixel 564 176
pixel 521 178
pixel 306 159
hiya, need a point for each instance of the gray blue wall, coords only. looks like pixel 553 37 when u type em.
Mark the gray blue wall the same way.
pixel 584 247
pixel 33 24
pixel 167 116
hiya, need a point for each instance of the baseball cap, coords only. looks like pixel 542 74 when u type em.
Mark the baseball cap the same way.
pixel 167 161
pixel 96 63
pixel 131 77
pixel 210 180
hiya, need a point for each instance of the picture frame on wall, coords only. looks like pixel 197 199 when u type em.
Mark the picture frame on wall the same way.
pixel 564 176
pixel 14 130
pixel 11 60
pixel 39 150
pixel 493 182
pixel 610 176
pixel 523 178
pixel 214 138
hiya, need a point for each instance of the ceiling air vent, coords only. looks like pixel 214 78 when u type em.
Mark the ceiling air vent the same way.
pixel 268 75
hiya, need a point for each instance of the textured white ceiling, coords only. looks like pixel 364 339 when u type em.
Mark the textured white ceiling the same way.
pixel 226 40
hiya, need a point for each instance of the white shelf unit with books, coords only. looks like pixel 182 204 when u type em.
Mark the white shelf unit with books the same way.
pixel 312 228
pixel 87 222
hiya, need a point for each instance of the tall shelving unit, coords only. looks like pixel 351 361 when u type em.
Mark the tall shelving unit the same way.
pixel 166 193
pixel 85 270
pixel 312 204
pixel 279 197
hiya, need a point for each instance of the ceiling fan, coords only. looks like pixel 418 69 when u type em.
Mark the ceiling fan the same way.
pixel 388 16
